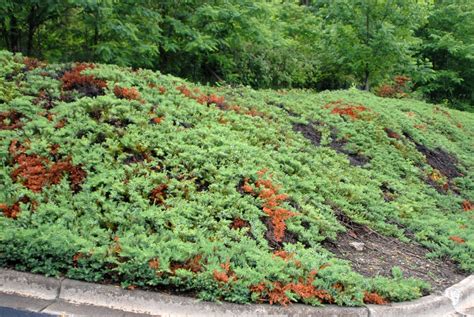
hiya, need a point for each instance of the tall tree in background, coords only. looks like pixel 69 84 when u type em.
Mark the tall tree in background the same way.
pixel 448 42
pixel 20 21
pixel 122 32
pixel 365 41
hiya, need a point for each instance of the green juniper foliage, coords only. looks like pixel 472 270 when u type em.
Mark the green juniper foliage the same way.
pixel 166 185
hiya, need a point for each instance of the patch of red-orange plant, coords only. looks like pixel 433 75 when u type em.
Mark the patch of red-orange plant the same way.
pixel 154 264
pixel 246 187
pixel 157 120
pixel 420 126
pixel 392 134
pixel 54 148
pixel 398 89
pixel 76 257
pixel 33 63
pixel 74 79
pixel 351 111
pixel 283 254
pixel 48 115
pixel 342 107
pixel 61 123
pixel 158 194
pixel 162 90
pixel 193 264
pixel 218 101
pixel 116 248
pixel 220 276
pixel 126 93
pixel 457 239
pixel 10 211
pixel 272 200
pixel 10 120
pixel 467 205
pixel 44 99
pixel 386 91
pixel 239 223
pixel 185 91
pixel 277 292
pixel 374 298
pixel 254 113
pixel 36 172
pixel 334 103
pixel 226 275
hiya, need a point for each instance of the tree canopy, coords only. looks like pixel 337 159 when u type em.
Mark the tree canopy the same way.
pixel 318 44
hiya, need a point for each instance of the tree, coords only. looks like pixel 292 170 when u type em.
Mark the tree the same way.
pixel 367 41
pixel 448 42
pixel 21 20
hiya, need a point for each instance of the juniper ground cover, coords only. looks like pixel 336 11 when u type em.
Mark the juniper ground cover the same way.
pixel 126 176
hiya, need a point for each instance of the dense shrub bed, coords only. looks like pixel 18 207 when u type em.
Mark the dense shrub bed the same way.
pixel 128 176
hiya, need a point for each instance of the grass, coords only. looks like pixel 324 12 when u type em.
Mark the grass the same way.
pixel 129 176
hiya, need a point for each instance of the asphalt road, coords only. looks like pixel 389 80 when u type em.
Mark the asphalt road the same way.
pixel 11 312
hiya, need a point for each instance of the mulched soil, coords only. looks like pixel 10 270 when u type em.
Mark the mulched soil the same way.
pixel 381 253
pixel 44 100
pixel 338 144
pixel 119 123
pixel 284 108
pixel 388 192
pixel 309 132
pixel 442 161
pixel 438 159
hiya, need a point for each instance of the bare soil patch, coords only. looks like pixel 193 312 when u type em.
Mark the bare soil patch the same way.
pixel 338 145
pixel 438 159
pixel 309 132
pixel 379 254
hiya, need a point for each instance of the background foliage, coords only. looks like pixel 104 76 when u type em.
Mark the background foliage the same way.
pixel 314 44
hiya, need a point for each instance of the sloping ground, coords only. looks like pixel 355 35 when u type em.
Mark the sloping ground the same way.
pixel 129 176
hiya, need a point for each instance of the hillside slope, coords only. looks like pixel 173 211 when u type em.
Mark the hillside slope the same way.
pixel 129 176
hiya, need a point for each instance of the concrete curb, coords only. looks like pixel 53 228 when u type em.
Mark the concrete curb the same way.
pixel 76 298
pixel 462 293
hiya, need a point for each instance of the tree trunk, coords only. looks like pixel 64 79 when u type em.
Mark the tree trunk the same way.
pixel 14 36
pixel 367 41
pixel 366 77
pixel 29 43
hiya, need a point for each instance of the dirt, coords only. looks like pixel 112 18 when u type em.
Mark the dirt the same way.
pixel 119 123
pixel 202 184
pixel 381 253
pixel 392 134
pixel 309 132
pixel 388 192
pixel 95 114
pixel 100 138
pixel 134 158
pixel 185 125
pixel 439 159
pixel 284 108
pixel 338 145
pixel 44 100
